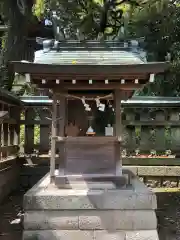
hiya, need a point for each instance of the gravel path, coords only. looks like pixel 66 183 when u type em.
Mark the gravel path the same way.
pixel 9 211
pixel 168 214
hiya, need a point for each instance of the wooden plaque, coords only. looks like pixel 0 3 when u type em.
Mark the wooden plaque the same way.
pixel 91 155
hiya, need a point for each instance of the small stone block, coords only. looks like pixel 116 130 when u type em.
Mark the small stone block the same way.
pixel 172 171
pixel 135 220
pixel 151 171
pixel 47 220
pixel 118 220
pixel 109 235
pixel 63 199
pixel 142 235
pixel 58 235
pixel 129 200
pixel 99 220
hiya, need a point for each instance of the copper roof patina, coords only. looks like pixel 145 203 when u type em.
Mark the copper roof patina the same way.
pixel 80 65
pixel 90 53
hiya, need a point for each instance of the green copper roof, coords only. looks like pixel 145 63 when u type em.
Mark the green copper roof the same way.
pixel 9 98
pixel 95 53
pixel 88 57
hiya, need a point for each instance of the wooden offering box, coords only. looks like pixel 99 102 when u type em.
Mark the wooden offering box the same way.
pixel 91 155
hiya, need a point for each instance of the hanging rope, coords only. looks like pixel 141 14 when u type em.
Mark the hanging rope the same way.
pixel 87 108
pixel 86 98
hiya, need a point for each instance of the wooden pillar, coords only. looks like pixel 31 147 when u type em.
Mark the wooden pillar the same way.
pixel 61 131
pixel 53 138
pixel 62 115
pixel 44 131
pixel 17 116
pixel 118 131
pixel 29 130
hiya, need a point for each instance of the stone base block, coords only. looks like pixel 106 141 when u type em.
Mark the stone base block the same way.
pixel 83 212
pixel 46 196
pixel 89 235
pixel 90 220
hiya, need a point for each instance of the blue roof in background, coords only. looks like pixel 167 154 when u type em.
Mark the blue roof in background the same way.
pixel 134 101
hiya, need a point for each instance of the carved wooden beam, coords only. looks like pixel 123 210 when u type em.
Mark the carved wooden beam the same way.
pixel 95 86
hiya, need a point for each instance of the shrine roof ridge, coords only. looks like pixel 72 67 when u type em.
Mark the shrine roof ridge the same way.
pixel 90 52
pixel 106 45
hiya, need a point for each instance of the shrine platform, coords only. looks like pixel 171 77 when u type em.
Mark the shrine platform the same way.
pixel 90 211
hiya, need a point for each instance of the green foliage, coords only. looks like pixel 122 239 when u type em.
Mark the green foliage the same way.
pixel 159 23
pixel 36 134
pixel 22 132
pixel 91 17
pixel 3 40
pixel 39 8
pixel 156 20
pixel 21 87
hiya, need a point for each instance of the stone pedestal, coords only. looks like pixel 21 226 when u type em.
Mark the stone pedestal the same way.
pixel 90 211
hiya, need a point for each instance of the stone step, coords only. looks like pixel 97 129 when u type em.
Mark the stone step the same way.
pixel 54 199
pixel 90 220
pixel 73 181
pixel 90 235
pixel 46 196
pixel 89 185
pixel 92 214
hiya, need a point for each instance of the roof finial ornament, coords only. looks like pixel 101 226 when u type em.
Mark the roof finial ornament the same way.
pixel 120 34
pixel 100 36
pixel 80 35
pixel 134 45
pixel 58 30
pixel 168 57
pixel 47 45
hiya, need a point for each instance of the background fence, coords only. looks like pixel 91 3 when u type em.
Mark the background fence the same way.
pixel 9 125
pixel 150 125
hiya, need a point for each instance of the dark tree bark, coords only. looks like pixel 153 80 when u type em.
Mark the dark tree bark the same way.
pixel 16 45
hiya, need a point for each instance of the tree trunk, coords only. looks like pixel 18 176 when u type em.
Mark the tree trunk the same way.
pixel 16 44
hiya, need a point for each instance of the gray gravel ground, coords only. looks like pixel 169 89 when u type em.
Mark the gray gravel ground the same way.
pixel 168 214
pixel 9 210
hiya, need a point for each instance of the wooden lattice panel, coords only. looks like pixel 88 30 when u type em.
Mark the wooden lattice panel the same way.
pixel 90 154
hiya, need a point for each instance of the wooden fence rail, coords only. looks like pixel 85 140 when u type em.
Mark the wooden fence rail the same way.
pixel 157 130
pixel 10 108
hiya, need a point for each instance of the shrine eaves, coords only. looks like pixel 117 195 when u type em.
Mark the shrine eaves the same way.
pixel 93 65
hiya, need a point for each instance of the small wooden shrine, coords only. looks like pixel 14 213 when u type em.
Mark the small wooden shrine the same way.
pixel 85 69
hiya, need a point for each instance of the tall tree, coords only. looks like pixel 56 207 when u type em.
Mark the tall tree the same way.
pixel 17 15
pixel 89 19
pixel 159 23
